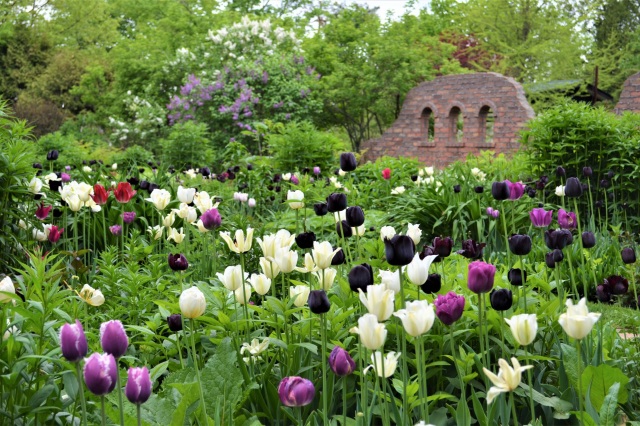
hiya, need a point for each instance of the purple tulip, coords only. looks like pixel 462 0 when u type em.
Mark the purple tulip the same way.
pixel 115 229
pixel 516 190
pixel 113 338
pixel 449 307
pixel 100 373
pixel 566 220
pixel 128 217
pixel 295 391
pixel 316 170
pixel 295 180
pixel 541 218
pixel 480 277
pixel 138 388
pixel 73 342
pixel 178 262
pixel 341 362
pixel 211 219
pixel 493 212
pixel 65 177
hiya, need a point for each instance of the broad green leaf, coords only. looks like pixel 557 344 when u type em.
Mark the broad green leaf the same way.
pixel 608 409
pixel 601 378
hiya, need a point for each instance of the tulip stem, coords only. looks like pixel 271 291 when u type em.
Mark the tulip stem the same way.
pixel 195 364
pixel 506 238
pixel 81 391
pixel 559 287
pixel 523 274
pixel 120 405
pixel 573 278
pixel 531 406
pixel 502 331
pixel 579 346
pixel 403 340
pixel 344 400
pixel 421 378
pixel 244 295
pixel 179 349
pixel 104 416
pixel 323 330
pixel 513 409
pixel 584 281
pixel 463 398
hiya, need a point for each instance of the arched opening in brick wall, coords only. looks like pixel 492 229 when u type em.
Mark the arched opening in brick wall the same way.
pixel 456 124
pixel 487 120
pixel 428 121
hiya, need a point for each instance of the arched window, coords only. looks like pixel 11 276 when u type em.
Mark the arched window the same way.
pixel 428 125
pixel 456 122
pixel 487 120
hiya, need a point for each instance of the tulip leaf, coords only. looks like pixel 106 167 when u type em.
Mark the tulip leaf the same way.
pixel 570 362
pixel 609 406
pixel 600 379
pixel 308 346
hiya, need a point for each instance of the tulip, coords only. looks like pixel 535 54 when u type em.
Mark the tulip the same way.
pixel 295 391
pixel 560 191
pixel 35 185
pixel 573 187
pixel 232 278
pixel 558 238
pixel 449 307
pixel 391 280
pixel 501 299
pixel 128 217
pixel 115 229
pixel 320 209
pixel 336 202
pixel 299 294
pixel 587 172
pixel 211 218
pixel 241 244
pixel 386 174
pixel 100 373
pixel 480 277
pixel 456 189
pixel 603 293
pixel 260 283
pixel 399 250
pixel 507 380
pixel 269 268
pixel 541 218
pixel 516 190
pixel 341 362
pixel 192 303
pixel 523 327
pixel 355 216
pixel 272 242
pixel 414 232
pixel 175 235
pixel 517 276
pixel 168 220
pixel 174 322
pixel 372 333
pixel 417 318
pixel 418 269
pixel 387 232
pixel 305 240
pixel 432 285
pixel 326 277
pixel 243 294
pixel 243 198
pixel 323 254
pixel 628 255
pixel 91 296
pixel 478 189
pixel 6 286
pixel 113 338
pixel 316 170
pixel 52 155
pixel 398 190
pixel 500 190
pixel 178 262
pixel 138 388
pixel 471 249
pixel 73 342
pixel 617 285
pixel 42 212
pixel 254 349
pixel 295 199
pixel 384 367
pixel 286 259
pixel 360 277
pixel 55 233
pixel 378 300
pixel 123 192
pixel 588 240
pixel 577 322
pixel 566 220
pixel 343 229
pixel 74 202
pixel 548 260
pixel 442 246
pixel 338 258
pixel 185 195
pixel 520 245
pixel 318 302
pixel 348 161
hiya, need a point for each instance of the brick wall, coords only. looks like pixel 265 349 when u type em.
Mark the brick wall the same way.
pixel 630 96
pixel 476 98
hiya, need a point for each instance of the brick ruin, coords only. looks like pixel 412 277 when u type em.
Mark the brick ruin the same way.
pixel 443 120
pixel 630 96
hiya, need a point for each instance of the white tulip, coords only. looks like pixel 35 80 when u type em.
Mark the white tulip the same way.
pixel 418 269
pixel 160 198
pixel 391 280
pixel 271 242
pixel 243 294
pixel 74 202
pixel 399 190
pixel 417 318
pixel 577 322
pixel 185 195
pixel 167 221
pixel 415 233
pixel 359 231
pixel 6 285
pixel 378 300
pixel 260 283
pixel 35 185
pixel 323 254
pixel 155 231
pixel 372 333
pixel 507 380
pixel 309 265
pixel 232 278
pixel 326 277
pixel 560 191
pixel 269 267
pixel 242 243
pixel 384 368
pixel 295 199
pixel 523 327
pixel 175 235
pixel 203 201
pixel 286 259
pixel 387 233
pixel 299 294
pixel 192 302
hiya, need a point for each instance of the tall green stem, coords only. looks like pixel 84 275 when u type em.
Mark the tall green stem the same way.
pixel 81 391
pixel 529 382
pixel 325 396
pixel 195 364
pixel 512 402
pixel 104 415
pixel 120 405
pixel 138 414
pixel 584 281
pixel 403 340
pixel 579 346
pixel 454 353
pixel 524 284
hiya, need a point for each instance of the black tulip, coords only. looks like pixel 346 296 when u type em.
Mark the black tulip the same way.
pixel 604 183
pixel 134 181
pixel 414 178
pixel 144 184
pixel 37 166
pixel 305 240
pixel 360 276
pixel 456 188
pixel 500 191
pixel 355 216
pixel 141 170
pixel 429 251
pixel 249 166
pixel 557 238
pixel 399 250
pixel 57 212
pixel 178 262
pixel 152 187
pixel 618 285
pixel 599 204
pixel 515 276
pixel 52 155
pixel 318 302
pixel 501 299
pixel 205 171
pixel 479 189
pixel 588 239
pixel 338 258
pixel 278 188
pixel 558 256
pixel 531 193
pixel 37 196
pixel 520 244
pixel 55 185
pixel 175 322
pixel 343 229
pixel 320 209
pixel 610 174
pixel 433 284
pixel 587 172
pixel 442 246
pixel 548 259
pixel 560 171
pixel 471 249
pixel 172 170
pixel 628 255
pixel 603 293
pixel 348 161
pixel 277 178
pixel 336 202
pixel 573 187
pixel 236 169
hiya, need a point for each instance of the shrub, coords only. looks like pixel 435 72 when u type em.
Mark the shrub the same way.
pixel 187 145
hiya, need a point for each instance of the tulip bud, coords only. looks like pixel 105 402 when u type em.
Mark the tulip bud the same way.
pixel 456 188
pixel 305 240
pixel 481 276
pixel 341 362
pixel 560 171
pixel 192 303
pixel 432 285
pixel 603 293
pixel 588 240
pixel 318 302
pixel 516 276
pixel 343 229
pixel 178 262
pixel 52 155
pixel 604 183
pixel 320 209
pixel 501 299
pixel 628 255
pixel 618 285
pixel 500 191
pixel 610 174
pixel 73 342
pixel 449 307
pixel 360 277
pixel 386 174
pixel 100 373
pixel 558 256
pixel 355 216
pixel 295 391
pixel 520 245
pixel 573 187
pixel 338 258
pixel 113 338
pixel 336 202
pixel 479 189
pixel 587 172
pixel 138 388
pixel 548 259
pixel 175 322
pixel 399 250
pixel 348 161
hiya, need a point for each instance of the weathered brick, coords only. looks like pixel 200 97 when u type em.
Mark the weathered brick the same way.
pixel 630 96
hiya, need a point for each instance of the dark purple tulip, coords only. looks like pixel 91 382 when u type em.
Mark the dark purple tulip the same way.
pixel 414 178
pixel 338 258
pixel 628 255
pixel 603 293
pixel 520 244
pixel 429 251
pixel 480 277
pixel 100 373
pixel 542 182
pixel 52 155
pixel 604 183
pixel 588 240
pixel 343 229
pixel 211 219
pixel 587 172
pixel 566 220
pixel 558 256
pixel 73 342
pixel 500 191
pixel 355 216
pixel 471 249
pixel 113 338
pixel 295 391
pixel 456 188
pixel 360 276
pixel 205 171
pixel 442 246
pixel 318 302
pixel 449 307
pixel 277 178
pixel 138 388
pixel 548 259
pixel 610 174
pixel 55 185
pixel 557 238
pixel 617 284
pixel 37 166
pixel 432 285
pixel 541 218
pixel 515 276
pixel 501 299
pixel 560 171
pixel 516 190
pixel 348 161
pixel 175 322
pixel 341 362
pixel 479 189
pixel 493 212
pixel 133 181
pixel 178 262
pixel 144 184
pixel 305 240
pixel 531 192
pixel 320 209
pixel 336 202
pixel 573 187
pixel 399 250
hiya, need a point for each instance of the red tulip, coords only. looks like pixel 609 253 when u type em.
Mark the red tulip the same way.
pixel 124 193
pixel 100 194
pixel 55 233
pixel 42 212
pixel 386 174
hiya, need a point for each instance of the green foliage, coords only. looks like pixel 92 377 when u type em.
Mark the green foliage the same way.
pixel 187 144
pixel 72 151
pixel 132 157
pixel 598 380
